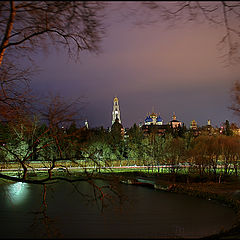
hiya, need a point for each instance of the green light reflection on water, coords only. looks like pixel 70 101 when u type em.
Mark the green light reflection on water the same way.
pixel 17 192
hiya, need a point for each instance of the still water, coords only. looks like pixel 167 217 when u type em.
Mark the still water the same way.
pixel 147 213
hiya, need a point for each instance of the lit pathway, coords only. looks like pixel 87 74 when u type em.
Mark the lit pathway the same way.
pixel 97 167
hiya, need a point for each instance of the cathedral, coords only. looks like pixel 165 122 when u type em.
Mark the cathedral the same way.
pixel 152 122
pixel 153 119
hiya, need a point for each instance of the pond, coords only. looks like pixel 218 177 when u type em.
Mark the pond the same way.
pixel 147 213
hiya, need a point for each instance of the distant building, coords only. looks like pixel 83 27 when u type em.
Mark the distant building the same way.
pixel 209 129
pixel 153 119
pixel 116 111
pixel 193 125
pixel 174 123
pixel 194 128
pixel 153 123
pixel 116 120
pixel 86 124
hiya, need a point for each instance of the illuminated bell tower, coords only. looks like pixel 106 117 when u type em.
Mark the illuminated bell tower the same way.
pixel 116 111
pixel 174 116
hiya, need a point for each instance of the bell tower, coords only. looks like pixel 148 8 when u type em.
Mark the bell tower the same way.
pixel 116 111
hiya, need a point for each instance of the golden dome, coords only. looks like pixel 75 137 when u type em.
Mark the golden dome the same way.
pixel 115 99
pixel 153 115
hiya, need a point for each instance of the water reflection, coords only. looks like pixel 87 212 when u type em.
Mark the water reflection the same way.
pixel 148 213
pixel 17 192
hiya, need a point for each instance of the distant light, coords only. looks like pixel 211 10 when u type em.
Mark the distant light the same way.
pixel 17 192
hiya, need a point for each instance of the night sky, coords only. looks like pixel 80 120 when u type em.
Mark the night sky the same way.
pixel 148 68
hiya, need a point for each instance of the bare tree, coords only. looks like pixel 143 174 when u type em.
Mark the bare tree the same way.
pixel 53 144
pixel 27 26
pixel 25 29
pixel 78 25
pixel 15 92
pixel 28 138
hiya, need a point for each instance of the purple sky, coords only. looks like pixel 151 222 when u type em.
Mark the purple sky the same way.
pixel 171 70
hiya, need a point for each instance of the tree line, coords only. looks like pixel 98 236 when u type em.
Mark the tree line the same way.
pixel 202 153
pixel 32 140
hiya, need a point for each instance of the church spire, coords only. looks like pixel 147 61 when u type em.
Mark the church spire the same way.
pixel 174 116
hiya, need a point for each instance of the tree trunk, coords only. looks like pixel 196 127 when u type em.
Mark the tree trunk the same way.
pixel 8 30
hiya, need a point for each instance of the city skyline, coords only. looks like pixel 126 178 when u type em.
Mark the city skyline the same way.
pixel 162 121
pixel 176 69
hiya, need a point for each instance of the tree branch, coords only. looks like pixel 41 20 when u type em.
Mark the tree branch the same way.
pixel 8 30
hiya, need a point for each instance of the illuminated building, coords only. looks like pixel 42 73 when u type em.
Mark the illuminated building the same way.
pixel 174 122
pixel 153 119
pixel 193 125
pixel 153 123
pixel 194 128
pixel 209 127
pixel 116 111
pixel 86 123
pixel 116 120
